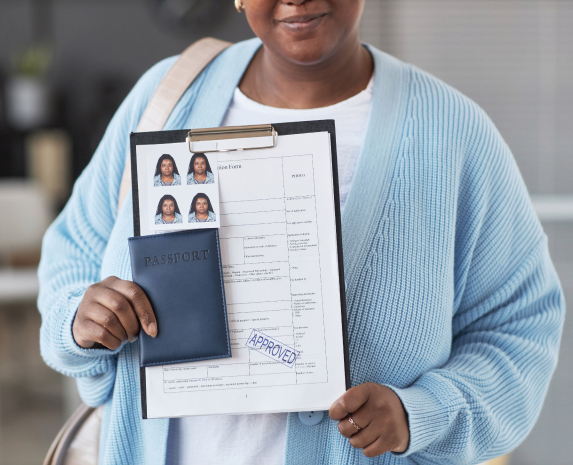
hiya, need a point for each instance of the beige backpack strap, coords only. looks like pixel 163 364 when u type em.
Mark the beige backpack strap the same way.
pixel 170 90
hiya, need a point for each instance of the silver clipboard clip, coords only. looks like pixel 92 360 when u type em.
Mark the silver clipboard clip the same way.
pixel 232 138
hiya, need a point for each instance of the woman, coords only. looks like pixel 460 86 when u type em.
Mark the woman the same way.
pixel 454 307
pixel 168 211
pixel 199 170
pixel 166 173
pixel 201 210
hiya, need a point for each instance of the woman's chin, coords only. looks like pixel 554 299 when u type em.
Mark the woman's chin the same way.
pixel 309 51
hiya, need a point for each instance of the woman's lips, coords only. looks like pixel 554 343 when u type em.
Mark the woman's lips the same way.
pixel 302 23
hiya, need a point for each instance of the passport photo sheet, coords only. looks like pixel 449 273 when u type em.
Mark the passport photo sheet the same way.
pixel 170 197
pixel 282 267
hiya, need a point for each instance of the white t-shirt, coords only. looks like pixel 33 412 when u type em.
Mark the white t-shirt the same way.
pixel 254 439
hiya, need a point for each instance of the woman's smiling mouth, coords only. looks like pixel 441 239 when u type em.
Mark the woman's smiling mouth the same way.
pixel 300 23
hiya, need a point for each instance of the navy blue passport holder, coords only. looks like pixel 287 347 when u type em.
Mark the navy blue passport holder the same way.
pixel 182 276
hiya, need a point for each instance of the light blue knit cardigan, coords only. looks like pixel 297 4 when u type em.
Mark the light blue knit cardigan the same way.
pixel 453 301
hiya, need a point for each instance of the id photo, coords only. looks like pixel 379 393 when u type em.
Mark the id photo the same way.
pixel 201 209
pixel 167 211
pixel 200 171
pixel 166 172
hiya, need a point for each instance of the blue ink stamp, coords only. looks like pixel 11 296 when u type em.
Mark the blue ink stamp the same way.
pixel 272 348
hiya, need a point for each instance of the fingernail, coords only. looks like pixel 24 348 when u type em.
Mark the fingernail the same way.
pixel 133 339
pixel 152 329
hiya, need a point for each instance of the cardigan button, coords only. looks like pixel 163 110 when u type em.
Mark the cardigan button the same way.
pixel 311 418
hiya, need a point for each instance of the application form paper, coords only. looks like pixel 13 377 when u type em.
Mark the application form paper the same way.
pixel 279 250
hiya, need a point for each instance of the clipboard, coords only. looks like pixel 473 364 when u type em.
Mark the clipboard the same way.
pixel 235 143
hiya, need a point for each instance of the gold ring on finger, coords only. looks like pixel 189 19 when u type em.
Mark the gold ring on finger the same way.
pixel 356 427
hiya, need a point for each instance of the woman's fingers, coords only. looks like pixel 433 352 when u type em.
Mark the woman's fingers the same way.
pixel 139 303
pixel 117 307
pixel 109 320
pixel 361 418
pixel 92 331
pixel 364 438
pixel 379 414
pixel 350 401
pixel 376 448
pixel 370 428
pixel 113 301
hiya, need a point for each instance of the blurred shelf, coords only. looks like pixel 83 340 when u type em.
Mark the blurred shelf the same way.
pixel 18 285
pixel 553 208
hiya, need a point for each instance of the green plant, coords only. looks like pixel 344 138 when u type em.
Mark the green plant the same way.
pixel 33 61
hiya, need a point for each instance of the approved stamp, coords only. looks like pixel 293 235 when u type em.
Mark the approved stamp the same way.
pixel 272 348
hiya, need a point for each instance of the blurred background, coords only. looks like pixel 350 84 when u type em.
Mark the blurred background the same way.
pixel 66 65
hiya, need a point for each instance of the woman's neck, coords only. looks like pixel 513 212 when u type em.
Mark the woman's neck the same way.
pixel 271 80
pixel 200 177
pixel 201 216
pixel 168 217
pixel 167 178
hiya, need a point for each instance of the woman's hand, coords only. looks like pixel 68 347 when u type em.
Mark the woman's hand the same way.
pixel 110 313
pixel 379 414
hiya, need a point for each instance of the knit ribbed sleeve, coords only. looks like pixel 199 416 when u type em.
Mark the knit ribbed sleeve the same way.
pixel 74 244
pixel 508 309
